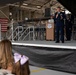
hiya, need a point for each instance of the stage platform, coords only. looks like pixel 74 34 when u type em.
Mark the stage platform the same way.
pixel 49 44
pixel 48 54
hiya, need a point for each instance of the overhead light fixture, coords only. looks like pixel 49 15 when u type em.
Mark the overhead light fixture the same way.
pixel 67 12
pixel 25 4
pixel 38 6
pixel 26 18
pixel 10 13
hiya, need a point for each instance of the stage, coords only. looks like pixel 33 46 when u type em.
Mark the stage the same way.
pixel 49 44
pixel 48 54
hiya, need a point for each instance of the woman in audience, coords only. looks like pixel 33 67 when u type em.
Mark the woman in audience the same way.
pixel 10 63
pixel 6 58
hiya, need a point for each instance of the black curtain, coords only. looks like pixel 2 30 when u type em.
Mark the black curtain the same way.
pixel 50 58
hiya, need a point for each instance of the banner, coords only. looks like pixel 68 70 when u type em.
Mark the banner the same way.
pixel 50 58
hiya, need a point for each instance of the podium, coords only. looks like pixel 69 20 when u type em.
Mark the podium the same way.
pixel 50 30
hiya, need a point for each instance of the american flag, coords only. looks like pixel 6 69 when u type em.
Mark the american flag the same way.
pixel 3 22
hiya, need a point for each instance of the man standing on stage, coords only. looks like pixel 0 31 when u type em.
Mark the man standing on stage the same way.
pixel 59 25
pixel 68 26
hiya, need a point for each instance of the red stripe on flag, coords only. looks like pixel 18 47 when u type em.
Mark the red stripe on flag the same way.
pixel 4 23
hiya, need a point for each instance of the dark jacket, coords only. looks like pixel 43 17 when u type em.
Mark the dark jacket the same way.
pixel 68 24
pixel 59 21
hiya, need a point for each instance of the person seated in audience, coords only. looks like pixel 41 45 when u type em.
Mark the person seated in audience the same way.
pixel 21 66
pixel 6 58
pixel 14 64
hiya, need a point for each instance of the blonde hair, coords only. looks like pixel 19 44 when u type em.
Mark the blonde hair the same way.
pixel 6 58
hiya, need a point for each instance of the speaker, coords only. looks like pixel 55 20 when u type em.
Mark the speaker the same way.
pixel 47 12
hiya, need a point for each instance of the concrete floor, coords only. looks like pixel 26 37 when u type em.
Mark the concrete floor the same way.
pixel 42 71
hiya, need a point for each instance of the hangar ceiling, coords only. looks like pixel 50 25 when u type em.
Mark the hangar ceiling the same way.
pixel 31 4
pixel 3 2
pixel 39 4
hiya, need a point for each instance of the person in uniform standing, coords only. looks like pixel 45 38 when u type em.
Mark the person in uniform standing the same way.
pixel 68 27
pixel 59 25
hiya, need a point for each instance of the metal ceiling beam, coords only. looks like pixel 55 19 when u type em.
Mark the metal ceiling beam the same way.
pixel 3 2
pixel 25 7
pixel 4 14
pixel 50 4
pixel 47 2
pixel 3 7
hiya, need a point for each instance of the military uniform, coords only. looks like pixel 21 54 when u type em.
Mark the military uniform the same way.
pixel 68 29
pixel 59 25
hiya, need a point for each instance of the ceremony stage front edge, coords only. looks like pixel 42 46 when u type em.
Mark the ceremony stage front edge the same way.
pixel 48 54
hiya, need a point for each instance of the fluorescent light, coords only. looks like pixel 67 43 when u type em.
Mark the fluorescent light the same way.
pixel 10 13
pixel 25 4
pixel 67 12
pixel 26 18
pixel 38 6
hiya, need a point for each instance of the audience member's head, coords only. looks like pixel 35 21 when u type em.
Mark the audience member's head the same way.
pixel 6 58
pixel 7 61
